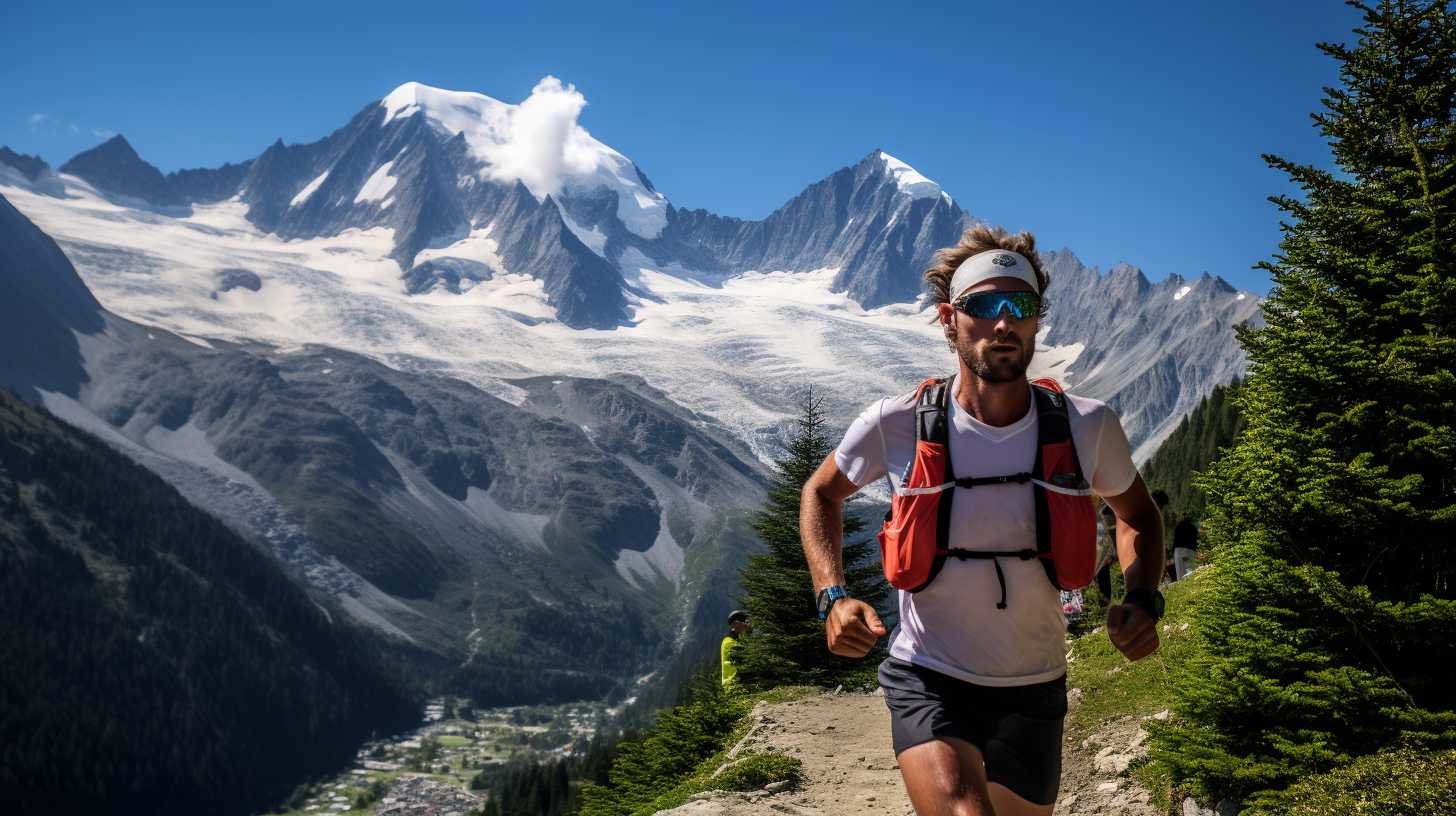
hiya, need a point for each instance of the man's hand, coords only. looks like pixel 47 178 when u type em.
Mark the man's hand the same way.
pixel 1131 631
pixel 852 628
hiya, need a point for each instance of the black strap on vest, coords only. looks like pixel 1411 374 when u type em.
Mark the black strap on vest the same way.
pixel 995 556
pixel 931 420
pixel 932 425
pixel 1052 426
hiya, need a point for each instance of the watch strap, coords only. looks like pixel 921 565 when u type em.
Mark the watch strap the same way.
pixel 1148 600
pixel 824 599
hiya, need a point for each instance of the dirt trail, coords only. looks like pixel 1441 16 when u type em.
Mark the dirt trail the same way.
pixel 849 768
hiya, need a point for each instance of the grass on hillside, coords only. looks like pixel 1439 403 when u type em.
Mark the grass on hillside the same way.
pixel 1113 687
pixel 755 772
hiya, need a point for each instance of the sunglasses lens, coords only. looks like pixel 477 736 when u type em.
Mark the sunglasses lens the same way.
pixel 987 305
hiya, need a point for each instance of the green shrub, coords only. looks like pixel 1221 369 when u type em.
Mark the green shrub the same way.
pixel 677 757
pixel 1397 783
pixel 757 770
pixel 682 737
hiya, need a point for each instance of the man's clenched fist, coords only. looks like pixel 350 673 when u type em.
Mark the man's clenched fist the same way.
pixel 1132 631
pixel 852 628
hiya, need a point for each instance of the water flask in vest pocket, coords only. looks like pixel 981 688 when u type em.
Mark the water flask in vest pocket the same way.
pixel 908 537
pixel 1070 556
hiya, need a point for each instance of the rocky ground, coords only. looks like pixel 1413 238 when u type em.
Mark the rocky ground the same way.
pixel 849 768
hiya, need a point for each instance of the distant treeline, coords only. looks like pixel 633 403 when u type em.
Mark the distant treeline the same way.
pixel 154 661
pixel 1191 447
pixel 546 788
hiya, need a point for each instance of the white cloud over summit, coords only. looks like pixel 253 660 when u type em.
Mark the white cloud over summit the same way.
pixel 543 144
pixel 538 143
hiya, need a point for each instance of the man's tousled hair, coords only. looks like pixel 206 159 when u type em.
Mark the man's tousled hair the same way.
pixel 977 239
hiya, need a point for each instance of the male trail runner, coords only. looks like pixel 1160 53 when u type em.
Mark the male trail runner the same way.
pixel 977 693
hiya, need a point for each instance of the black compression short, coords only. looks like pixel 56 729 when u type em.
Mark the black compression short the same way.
pixel 1018 729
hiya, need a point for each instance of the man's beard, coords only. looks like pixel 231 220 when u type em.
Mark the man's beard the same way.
pixel 1001 368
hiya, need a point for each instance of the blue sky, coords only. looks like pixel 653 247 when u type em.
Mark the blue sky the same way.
pixel 1126 131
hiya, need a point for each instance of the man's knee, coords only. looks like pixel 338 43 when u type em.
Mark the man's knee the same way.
pixel 969 805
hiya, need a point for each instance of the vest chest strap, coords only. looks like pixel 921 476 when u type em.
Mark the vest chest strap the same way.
pixel 995 557
pixel 991 480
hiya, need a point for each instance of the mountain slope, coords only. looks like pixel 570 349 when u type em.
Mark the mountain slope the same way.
pixel 425 506
pixel 115 166
pixel 878 222
pixel 424 163
pixel 155 661
pixel 42 311
pixel 1151 351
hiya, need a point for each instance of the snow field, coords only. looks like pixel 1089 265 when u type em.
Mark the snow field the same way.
pixel 739 353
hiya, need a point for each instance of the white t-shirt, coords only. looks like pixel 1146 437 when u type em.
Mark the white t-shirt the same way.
pixel 953 626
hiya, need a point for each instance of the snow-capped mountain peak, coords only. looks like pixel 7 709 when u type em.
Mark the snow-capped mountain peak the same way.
pixel 438 103
pixel 537 142
pixel 909 180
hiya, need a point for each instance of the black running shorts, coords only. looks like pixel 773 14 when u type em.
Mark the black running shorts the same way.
pixel 1018 729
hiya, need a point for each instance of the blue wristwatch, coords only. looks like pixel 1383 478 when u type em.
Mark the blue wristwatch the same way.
pixel 826 598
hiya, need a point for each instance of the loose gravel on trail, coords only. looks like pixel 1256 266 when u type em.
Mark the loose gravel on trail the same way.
pixel 843 741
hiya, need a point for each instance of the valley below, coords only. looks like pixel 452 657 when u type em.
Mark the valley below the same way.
pixel 447 762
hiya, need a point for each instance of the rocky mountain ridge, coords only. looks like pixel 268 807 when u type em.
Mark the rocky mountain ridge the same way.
pixel 425 168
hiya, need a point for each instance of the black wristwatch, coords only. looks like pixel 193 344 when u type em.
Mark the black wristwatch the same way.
pixel 826 597
pixel 1146 599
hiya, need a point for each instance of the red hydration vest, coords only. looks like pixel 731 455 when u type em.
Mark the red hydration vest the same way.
pixel 914 539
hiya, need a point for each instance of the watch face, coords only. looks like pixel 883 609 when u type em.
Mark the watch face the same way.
pixel 826 598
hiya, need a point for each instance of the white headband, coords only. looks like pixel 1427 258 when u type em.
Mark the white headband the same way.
pixel 993 263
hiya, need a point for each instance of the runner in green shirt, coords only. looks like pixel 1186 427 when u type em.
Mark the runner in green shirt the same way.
pixel 737 625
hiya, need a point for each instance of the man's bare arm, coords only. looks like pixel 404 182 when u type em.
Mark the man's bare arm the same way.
pixel 853 626
pixel 1139 536
pixel 821 522
pixel 1140 552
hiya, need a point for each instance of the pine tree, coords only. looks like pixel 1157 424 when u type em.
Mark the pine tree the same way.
pixel 787 643
pixel 1326 623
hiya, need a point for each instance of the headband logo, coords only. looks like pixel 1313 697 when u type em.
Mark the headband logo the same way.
pixel 1004 260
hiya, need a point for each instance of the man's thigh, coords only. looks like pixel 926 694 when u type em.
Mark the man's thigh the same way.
pixel 946 777
pixel 959 737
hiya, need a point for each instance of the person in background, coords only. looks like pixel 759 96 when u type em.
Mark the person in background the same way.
pixel 1185 547
pixel 1107 550
pixel 738 625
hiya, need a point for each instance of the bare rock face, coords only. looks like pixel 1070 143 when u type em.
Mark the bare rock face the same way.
pixel 861 219
pixel 29 167
pixel 1151 351
pixel 115 167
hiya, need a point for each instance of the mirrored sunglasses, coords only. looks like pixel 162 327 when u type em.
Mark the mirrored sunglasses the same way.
pixel 987 305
